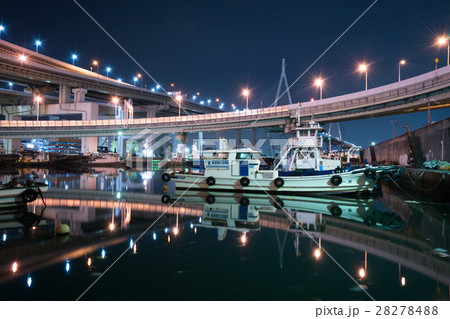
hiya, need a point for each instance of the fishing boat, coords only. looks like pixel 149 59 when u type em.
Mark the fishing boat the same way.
pixel 105 159
pixel 33 158
pixel 16 192
pixel 300 169
pixel 345 207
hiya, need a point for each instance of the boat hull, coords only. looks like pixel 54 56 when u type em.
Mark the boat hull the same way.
pixel 351 182
pixel 13 195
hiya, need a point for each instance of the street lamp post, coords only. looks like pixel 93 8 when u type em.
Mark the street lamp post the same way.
pixel 108 69
pixel 178 98
pixel 363 68
pixel 115 101
pixel 140 77
pixel 444 41
pixel 246 93
pixel 399 65
pixel 38 43
pixel 38 100
pixel 2 28
pixel 319 83
pixel 95 63
pixel 74 57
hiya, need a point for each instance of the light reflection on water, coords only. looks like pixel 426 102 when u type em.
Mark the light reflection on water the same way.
pixel 250 252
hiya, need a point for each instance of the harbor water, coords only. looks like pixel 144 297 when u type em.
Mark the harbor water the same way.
pixel 126 242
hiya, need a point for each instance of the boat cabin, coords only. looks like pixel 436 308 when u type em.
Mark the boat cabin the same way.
pixel 226 163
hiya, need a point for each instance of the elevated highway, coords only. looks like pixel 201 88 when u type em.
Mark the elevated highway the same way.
pixel 46 75
pixel 430 90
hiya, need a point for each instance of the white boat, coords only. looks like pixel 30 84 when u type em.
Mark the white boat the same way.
pixel 105 159
pixel 15 192
pixel 304 169
pixel 34 158
pixel 345 207
pixel 230 216
pixel 238 170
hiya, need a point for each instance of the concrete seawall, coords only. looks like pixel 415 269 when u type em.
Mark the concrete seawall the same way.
pixel 429 142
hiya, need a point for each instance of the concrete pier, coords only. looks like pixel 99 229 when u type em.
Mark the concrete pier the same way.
pixel 427 143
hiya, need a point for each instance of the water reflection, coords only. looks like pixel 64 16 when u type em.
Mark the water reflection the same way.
pixel 111 208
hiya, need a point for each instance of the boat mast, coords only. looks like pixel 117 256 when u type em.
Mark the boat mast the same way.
pixel 297 114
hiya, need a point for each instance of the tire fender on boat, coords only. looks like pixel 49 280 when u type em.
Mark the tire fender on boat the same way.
pixel 336 180
pixel 165 199
pixel 335 210
pixel 29 195
pixel 210 199
pixel 244 201
pixel 210 181
pixel 278 203
pixel 338 169
pixel 370 173
pixel 165 177
pixel 278 182
pixel 244 181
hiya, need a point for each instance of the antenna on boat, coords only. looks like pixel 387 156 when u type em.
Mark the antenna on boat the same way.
pixel 297 115
pixel 282 77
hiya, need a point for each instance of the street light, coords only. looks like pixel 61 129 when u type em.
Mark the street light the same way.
pixel 74 57
pixel 179 98
pixel 22 58
pixel 246 93
pixel 134 80
pixel 115 101
pixel 2 28
pixel 108 69
pixel 38 43
pixel 402 62
pixel 10 84
pixel 442 41
pixel 363 68
pixel 37 100
pixel 319 83
pixel 140 77
pixel 95 63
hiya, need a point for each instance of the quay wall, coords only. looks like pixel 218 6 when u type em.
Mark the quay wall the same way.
pixel 426 143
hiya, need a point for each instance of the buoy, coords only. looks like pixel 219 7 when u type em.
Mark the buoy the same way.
pixel 62 230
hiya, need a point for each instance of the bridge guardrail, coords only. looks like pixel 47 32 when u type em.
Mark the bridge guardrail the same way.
pixel 158 121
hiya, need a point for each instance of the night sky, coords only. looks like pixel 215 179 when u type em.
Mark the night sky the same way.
pixel 219 47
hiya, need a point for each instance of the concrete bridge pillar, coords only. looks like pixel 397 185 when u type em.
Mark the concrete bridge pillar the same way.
pixel 79 95
pixel 64 94
pixel 254 136
pixel 12 145
pixel 89 144
pixel 238 138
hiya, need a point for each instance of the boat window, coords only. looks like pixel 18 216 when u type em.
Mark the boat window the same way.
pixel 244 156
pixel 215 155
